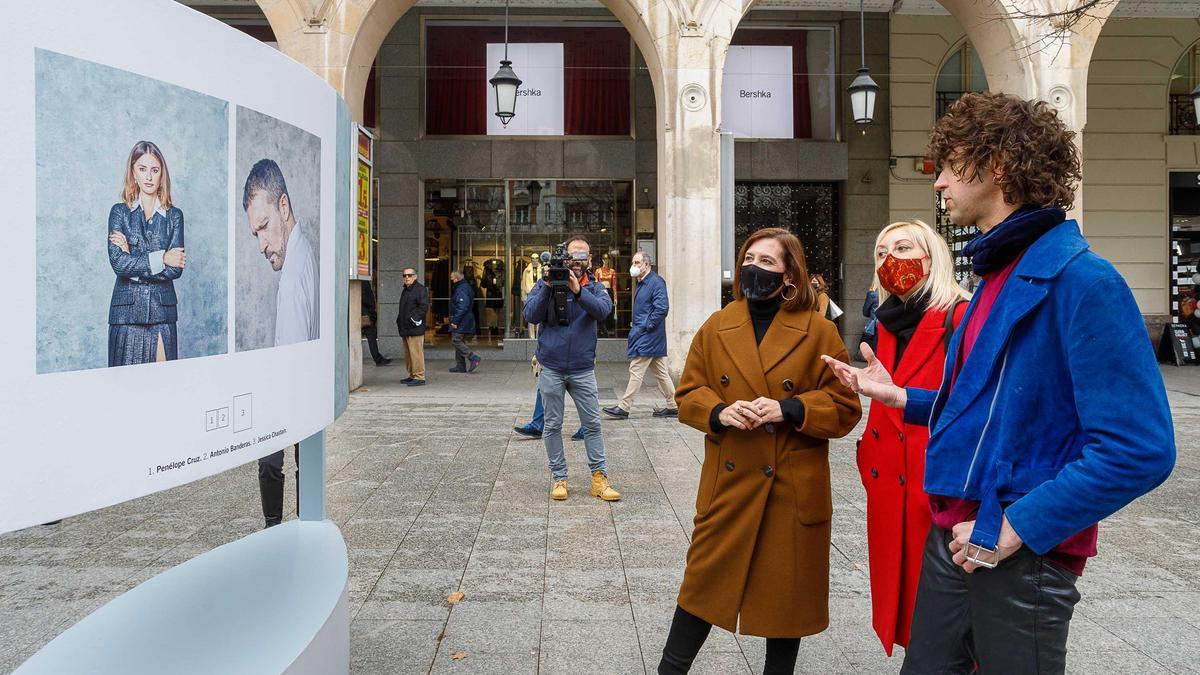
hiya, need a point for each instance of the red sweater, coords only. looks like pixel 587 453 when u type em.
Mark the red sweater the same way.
pixel 1074 551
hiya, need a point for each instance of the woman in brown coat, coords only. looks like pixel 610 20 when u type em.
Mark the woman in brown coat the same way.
pixel 754 383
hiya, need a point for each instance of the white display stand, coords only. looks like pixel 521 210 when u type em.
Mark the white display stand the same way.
pixel 257 355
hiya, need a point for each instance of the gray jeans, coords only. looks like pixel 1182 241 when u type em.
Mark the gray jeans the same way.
pixel 462 353
pixel 554 386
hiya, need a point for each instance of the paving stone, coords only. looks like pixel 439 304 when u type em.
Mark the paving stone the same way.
pixel 435 494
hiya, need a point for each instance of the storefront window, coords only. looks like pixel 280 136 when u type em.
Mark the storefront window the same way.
pixel 781 83
pixel 496 232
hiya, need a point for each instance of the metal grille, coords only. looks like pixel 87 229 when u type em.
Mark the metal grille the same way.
pixel 957 237
pixel 944 100
pixel 1183 115
pixel 808 210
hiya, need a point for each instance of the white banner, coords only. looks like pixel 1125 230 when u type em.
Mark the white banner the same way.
pixel 756 98
pixel 138 358
pixel 539 110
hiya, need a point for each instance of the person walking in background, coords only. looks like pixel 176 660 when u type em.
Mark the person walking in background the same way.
pixel 922 305
pixel 538 423
pixel 1050 415
pixel 822 290
pixel 462 323
pixel 370 324
pixel 410 322
pixel 567 353
pixel 870 304
pixel 274 224
pixel 647 340
pixel 754 384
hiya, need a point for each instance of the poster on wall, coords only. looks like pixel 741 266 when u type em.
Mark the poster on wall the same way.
pixel 364 218
pixel 539 110
pixel 756 98
pixel 171 272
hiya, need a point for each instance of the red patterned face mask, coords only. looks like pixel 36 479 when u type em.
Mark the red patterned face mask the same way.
pixel 898 276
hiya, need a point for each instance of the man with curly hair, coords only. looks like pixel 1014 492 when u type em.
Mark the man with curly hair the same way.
pixel 1052 414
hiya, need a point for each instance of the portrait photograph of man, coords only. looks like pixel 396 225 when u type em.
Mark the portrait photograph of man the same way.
pixel 277 241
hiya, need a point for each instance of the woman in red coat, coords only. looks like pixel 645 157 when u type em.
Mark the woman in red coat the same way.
pixel 919 306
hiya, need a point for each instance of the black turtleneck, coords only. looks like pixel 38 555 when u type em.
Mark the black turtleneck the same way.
pixel 762 313
pixel 901 319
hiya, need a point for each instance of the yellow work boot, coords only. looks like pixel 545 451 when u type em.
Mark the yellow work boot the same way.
pixel 603 489
pixel 559 491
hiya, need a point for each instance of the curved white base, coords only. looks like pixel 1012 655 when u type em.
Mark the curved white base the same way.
pixel 272 602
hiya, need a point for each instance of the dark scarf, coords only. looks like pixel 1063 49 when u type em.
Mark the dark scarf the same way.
pixel 762 313
pixel 1003 243
pixel 901 319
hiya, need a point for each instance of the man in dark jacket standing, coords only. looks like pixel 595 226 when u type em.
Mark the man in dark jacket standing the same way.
pixel 1050 417
pixel 647 340
pixel 567 351
pixel 462 322
pixel 410 321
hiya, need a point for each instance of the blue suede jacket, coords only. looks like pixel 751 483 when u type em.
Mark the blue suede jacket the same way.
pixel 570 348
pixel 1059 417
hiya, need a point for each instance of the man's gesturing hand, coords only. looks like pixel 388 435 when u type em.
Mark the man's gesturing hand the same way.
pixel 874 381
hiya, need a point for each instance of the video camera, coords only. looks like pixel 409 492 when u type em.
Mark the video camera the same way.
pixel 556 266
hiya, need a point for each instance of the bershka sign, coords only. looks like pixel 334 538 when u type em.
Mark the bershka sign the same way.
pixel 540 97
pixel 757 95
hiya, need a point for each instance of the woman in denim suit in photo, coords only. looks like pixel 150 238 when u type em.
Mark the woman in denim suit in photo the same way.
pixel 145 249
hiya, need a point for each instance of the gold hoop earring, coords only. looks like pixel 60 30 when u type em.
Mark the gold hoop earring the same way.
pixel 796 291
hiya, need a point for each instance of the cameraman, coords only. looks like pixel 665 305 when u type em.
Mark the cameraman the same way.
pixel 567 352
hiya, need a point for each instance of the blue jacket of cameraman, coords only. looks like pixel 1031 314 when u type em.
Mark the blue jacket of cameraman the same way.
pixel 570 348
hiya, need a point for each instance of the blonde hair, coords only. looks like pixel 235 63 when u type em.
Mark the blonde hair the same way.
pixel 940 287
pixel 131 191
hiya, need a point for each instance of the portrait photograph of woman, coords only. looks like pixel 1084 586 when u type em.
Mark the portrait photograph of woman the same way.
pixel 116 283
pixel 145 249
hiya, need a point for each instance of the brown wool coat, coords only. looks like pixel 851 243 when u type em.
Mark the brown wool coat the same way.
pixel 760 549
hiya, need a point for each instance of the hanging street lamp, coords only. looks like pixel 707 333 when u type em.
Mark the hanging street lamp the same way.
pixel 505 82
pixel 863 89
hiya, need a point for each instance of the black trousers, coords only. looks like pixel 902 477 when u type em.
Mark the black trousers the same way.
pixel 270 485
pixel 1011 619
pixel 373 345
pixel 687 636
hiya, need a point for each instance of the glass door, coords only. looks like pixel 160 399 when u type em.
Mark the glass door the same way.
pixel 465 231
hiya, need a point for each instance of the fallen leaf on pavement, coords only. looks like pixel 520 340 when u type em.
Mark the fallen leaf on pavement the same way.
pixel 455 597
pixel 458 656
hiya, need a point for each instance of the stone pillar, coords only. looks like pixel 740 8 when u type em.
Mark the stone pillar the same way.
pixel 684 43
pixel 338 41
pixel 1037 58
pixel 690 44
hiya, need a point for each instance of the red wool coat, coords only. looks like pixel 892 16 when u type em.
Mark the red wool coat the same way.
pixel 891 463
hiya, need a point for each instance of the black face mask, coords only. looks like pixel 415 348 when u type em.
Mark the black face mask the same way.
pixel 758 283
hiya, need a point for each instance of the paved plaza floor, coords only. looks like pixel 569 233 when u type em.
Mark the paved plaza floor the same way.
pixel 435 495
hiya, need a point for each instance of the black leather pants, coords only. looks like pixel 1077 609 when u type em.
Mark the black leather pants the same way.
pixel 270 485
pixel 1012 619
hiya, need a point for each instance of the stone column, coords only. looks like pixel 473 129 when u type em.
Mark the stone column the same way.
pixel 690 43
pixel 1037 58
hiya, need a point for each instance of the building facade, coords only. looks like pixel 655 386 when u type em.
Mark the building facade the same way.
pixel 634 162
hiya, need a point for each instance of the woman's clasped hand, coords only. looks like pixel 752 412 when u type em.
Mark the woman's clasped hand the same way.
pixel 749 415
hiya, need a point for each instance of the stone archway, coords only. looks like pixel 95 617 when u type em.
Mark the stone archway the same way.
pixel 684 43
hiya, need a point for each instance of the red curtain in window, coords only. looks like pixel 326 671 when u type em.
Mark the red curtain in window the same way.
pixel 798 41
pixel 455 82
pixel 596 78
